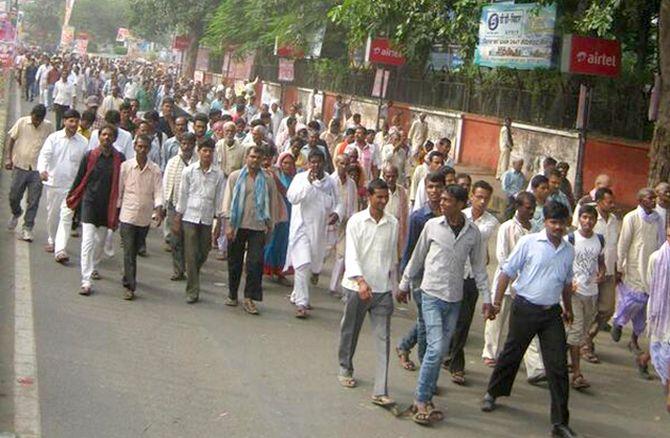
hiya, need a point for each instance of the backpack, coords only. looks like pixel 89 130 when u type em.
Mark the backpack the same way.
pixel 601 239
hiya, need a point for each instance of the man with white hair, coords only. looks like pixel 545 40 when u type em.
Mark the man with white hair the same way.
pixel 642 233
pixel 663 202
pixel 602 180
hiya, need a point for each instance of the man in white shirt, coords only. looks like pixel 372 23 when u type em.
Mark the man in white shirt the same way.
pixel 277 116
pixel 663 202
pixel 418 134
pixel 200 201
pixel 314 198
pixel 608 225
pixel 64 97
pixel 371 254
pixel 369 155
pixel 487 224
pixel 111 102
pixel 58 164
pixel 589 271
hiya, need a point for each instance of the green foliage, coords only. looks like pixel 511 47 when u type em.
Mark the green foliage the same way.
pixel 158 19
pixel 100 20
pixel 120 50
pixel 43 20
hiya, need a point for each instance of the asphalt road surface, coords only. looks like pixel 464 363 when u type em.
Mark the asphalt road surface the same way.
pixel 157 367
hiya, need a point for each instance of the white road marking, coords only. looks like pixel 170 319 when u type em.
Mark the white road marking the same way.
pixel 27 421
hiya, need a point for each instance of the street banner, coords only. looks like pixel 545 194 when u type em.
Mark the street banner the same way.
pixel 67 36
pixel 69 4
pixel 81 46
pixel 122 34
pixel 380 51
pixel 181 42
pixel 516 36
pixel 591 56
pixel 238 69
pixel 286 70
pixel 381 80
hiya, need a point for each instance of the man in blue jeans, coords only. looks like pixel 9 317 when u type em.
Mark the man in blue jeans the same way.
pixel 434 184
pixel 444 246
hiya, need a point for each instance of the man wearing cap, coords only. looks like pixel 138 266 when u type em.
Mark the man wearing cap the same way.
pixel 57 164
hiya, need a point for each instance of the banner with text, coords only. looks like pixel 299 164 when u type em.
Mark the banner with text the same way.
pixel 516 36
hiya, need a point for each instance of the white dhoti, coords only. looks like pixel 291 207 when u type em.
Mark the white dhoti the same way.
pixel 64 227
pixel 92 243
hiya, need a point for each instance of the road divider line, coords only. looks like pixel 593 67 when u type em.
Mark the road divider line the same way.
pixel 27 421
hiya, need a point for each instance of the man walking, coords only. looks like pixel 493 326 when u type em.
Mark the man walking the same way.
pixel 65 97
pixel 25 142
pixel 314 199
pixel 171 191
pixel 58 164
pixel 249 211
pixel 140 194
pixel 513 181
pixel 199 202
pixel 445 246
pixel 505 144
pixel 542 266
pixel 641 235
pixel 96 188
pixel 509 235
pixel 371 244
pixel 487 224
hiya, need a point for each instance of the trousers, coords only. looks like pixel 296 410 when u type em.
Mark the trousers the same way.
pixel 92 243
pixel 131 236
pixel 23 180
pixel 176 241
pixel 493 341
pixel 64 228
pixel 55 197
pixel 526 321
pixel 251 242
pixel 380 308
pixel 197 243
pixel 460 337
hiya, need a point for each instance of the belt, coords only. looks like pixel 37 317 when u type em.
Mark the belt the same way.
pixel 524 302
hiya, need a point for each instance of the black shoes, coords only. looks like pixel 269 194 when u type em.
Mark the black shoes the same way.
pixel 562 431
pixel 616 333
pixel 488 403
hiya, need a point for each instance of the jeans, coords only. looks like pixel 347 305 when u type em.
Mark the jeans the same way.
pixel 22 180
pixel 417 334
pixel 440 317
pixel 460 338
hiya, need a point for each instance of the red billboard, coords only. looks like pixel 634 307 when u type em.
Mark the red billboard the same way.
pixel 181 42
pixel 379 51
pixel 591 56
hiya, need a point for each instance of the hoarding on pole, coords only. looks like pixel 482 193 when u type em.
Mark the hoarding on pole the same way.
pixel 516 36
pixel 591 56
pixel 286 70
pixel 67 36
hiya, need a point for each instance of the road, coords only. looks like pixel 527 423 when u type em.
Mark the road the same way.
pixel 157 367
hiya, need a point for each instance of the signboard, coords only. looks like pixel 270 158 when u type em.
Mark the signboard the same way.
pixel 202 59
pixel 591 56
pixel 516 36
pixel 381 80
pixel 445 58
pixel 198 76
pixel 67 36
pixel 6 54
pixel 122 34
pixel 7 30
pixel 379 51
pixel 286 70
pixel 81 46
pixel 233 68
pixel 181 42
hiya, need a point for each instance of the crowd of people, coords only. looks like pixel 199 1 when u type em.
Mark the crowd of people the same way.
pixel 278 194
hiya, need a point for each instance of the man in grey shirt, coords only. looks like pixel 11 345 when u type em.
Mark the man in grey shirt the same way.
pixel 444 246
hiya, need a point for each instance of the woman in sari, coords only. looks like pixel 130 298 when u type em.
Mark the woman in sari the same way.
pixel 275 250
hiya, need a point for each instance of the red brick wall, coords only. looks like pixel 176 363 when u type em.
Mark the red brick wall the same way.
pixel 626 163
pixel 479 145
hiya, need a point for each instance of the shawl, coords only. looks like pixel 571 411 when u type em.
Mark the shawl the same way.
pixel 261 198
pixel 659 295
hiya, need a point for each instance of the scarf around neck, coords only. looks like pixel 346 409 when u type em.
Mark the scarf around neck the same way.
pixel 650 218
pixel 261 198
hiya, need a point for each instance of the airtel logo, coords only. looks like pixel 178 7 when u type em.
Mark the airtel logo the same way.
pixel 596 58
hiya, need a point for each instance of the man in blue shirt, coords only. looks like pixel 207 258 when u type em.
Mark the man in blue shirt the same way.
pixel 417 335
pixel 513 181
pixel 542 266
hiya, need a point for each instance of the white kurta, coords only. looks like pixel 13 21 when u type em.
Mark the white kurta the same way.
pixel 638 240
pixel 312 203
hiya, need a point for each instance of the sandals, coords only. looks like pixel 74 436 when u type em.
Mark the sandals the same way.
pixel 346 381
pixel 458 377
pixel 590 356
pixel 301 312
pixel 95 275
pixel 579 382
pixel 383 400
pixel 62 258
pixel 429 416
pixel 85 291
pixel 405 362
pixel 250 307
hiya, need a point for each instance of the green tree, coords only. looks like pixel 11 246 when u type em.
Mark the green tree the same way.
pixel 154 19
pixel 100 20
pixel 659 153
pixel 43 19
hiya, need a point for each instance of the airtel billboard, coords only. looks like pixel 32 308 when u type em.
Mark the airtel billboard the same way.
pixel 379 51
pixel 591 56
